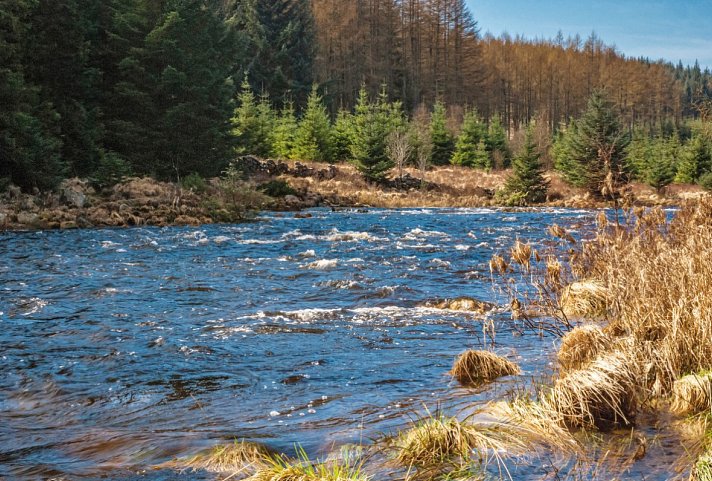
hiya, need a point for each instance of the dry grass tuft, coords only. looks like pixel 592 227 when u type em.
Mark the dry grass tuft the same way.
pixel 581 346
pixel 602 395
pixel 584 299
pixel 437 441
pixel 522 254
pixel 281 468
pixel 692 394
pixel 535 425
pixel 498 265
pixel 241 456
pixel 477 367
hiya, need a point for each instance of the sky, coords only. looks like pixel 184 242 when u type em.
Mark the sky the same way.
pixel 669 29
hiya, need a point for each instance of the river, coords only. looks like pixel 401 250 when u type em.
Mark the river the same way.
pixel 125 348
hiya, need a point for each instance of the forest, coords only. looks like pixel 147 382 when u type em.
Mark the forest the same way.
pixel 104 89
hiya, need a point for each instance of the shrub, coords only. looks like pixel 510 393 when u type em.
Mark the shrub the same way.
pixel 194 182
pixel 111 171
pixel 277 188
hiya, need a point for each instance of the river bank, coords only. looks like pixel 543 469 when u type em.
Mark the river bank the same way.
pixel 283 186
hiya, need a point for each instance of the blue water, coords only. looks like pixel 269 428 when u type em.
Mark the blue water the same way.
pixel 121 349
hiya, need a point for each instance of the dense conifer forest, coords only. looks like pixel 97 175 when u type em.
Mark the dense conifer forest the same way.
pixel 104 89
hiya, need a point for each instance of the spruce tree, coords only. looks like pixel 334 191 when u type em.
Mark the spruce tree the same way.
pixel 284 132
pixel 29 143
pixel 695 160
pixel 313 137
pixel 187 55
pixel 252 124
pixel 342 135
pixel 598 148
pixel 467 151
pixel 496 142
pixel 660 170
pixel 372 124
pixel 526 184
pixel 441 138
pixel 638 155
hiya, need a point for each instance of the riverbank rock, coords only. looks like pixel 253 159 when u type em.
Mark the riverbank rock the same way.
pixel 461 304
pixel 73 192
pixel 29 219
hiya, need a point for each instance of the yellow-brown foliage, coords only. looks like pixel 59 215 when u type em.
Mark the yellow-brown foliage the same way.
pixel 581 346
pixel 584 299
pixel 601 395
pixel 476 367
pixel 692 394
pixel 659 275
pixel 241 456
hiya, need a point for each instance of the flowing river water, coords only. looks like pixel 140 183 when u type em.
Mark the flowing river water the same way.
pixel 122 349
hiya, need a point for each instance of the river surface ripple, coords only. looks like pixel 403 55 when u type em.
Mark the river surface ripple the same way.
pixel 123 348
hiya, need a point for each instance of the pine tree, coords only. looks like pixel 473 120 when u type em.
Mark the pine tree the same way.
pixel 441 138
pixel 252 124
pixel 57 62
pixel 372 124
pixel 598 148
pixel 342 135
pixel 467 147
pixel 638 155
pixel 313 137
pixel 187 56
pixel 660 171
pixel 496 142
pixel 695 160
pixel 526 184
pixel 280 43
pixel 284 132
pixel 29 145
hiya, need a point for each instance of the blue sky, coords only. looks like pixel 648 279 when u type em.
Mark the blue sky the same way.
pixel 669 29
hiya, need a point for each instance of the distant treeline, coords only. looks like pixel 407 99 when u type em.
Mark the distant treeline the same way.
pixel 106 88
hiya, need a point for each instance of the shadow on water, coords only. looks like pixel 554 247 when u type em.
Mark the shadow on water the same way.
pixel 122 349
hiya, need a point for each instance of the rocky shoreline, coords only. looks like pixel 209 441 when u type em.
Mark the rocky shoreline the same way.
pixel 147 202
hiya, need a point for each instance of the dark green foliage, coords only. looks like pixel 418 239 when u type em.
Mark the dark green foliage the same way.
pixel 277 188
pixel 706 181
pixel 342 135
pixel 280 44
pixel 695 160
pixel 285 129
pixel 496 142
pixel 111 170
pixel 596 148
pixel 313 137
pixel 57 63
pixel 441 138
pixel 29 141
pixel 194 182
pixel 526 185
pixel 470 148
pixel 373 122
pixel 253 124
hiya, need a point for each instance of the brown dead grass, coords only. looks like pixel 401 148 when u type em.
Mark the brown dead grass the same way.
pixel 584 299
pixel 477 367
pixel 692 394
pixel 239 457
pixel 602 395
pixel 582 345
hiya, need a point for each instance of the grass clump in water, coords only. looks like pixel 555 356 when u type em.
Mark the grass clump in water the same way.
pixel 282 468
pixel 477 367
pixel 692 394
pixel 582 345
pixel 239 457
